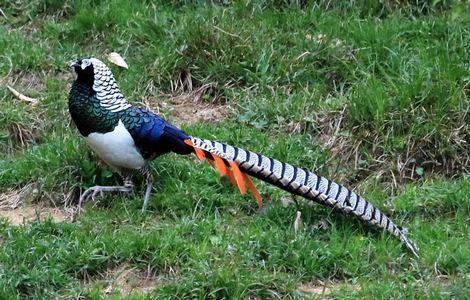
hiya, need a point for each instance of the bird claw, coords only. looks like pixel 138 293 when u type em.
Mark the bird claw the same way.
pixel 95 192
pixel 90 193
pixel 87 194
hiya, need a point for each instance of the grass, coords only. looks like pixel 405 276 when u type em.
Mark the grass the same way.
pixel 371 95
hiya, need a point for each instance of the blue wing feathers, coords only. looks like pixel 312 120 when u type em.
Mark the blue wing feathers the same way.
pixel 152 134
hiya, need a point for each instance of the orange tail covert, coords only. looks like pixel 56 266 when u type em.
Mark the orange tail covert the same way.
pixel 235 175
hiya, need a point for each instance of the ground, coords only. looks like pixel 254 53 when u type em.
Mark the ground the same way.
pixel 371 95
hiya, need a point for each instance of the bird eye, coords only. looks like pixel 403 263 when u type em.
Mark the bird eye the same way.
pixel 85 63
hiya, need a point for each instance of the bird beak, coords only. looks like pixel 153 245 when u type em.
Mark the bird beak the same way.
pixel 75 63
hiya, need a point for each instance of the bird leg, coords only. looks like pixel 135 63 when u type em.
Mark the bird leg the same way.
pixel 149 181
pixel 94 190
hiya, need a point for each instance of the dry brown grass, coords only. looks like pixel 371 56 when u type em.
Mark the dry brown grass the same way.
pixel 344 148
pixel 124 279
pixel 187 103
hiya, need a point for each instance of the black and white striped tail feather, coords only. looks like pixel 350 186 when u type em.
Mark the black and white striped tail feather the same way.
pixel 304 183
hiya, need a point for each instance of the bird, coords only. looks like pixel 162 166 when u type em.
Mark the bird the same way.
pixel 127 138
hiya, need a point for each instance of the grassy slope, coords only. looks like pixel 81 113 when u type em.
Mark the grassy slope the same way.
pixel 399 73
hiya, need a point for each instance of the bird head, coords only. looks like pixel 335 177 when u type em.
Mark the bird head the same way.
pixel 84 69
pixel 88 69
pixel 95 74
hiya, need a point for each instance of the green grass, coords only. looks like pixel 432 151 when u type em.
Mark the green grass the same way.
pixel 389 81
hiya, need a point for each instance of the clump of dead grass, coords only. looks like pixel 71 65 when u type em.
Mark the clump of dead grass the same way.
pixel 365 155
pixel 183 89
pixel 125 279
pixel 20 205
pixel 13 197
pixel 188 102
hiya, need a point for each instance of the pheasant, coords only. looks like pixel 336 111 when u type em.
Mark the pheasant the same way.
pixel 126 137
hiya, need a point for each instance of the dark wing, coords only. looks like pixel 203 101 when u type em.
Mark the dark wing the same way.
pixel 153 135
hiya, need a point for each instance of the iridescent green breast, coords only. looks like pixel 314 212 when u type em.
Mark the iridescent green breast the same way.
pixel 87 113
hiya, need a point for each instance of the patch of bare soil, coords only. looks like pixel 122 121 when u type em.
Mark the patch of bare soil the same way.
pixel 125 279
pixel 314 290
pixel 322 290
pixel 187 103
pixel 195 112
pixel 187 108
pixel 17 206
pixel 21 215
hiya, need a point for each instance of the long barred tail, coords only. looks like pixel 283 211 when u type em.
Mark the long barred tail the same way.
pixel 236 163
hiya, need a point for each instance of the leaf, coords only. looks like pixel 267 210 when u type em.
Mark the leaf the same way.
pixel 117 59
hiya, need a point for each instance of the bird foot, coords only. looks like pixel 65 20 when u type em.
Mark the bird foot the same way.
pixel 98 189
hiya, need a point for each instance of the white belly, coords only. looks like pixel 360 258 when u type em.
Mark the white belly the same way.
pixel 116 148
